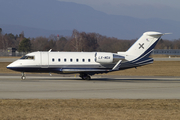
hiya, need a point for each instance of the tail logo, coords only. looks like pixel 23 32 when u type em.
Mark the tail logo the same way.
pixel 141 46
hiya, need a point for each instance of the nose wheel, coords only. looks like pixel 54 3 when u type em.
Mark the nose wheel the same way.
pixel 23 77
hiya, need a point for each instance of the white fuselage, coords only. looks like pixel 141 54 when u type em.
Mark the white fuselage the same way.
pixel 66 62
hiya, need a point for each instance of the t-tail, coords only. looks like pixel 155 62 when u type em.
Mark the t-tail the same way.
pixel 138 54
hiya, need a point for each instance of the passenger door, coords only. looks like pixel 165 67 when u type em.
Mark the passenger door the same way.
pixel 44 59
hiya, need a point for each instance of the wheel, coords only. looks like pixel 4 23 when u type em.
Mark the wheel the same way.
pixel 86 77
pixel 23 77
pixel 83 78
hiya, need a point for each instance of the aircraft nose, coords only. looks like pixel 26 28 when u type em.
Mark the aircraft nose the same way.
pixel 16 66
pixel 12 65
pixel 9 66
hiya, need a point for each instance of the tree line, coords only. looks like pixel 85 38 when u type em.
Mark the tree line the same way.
pixel 78 41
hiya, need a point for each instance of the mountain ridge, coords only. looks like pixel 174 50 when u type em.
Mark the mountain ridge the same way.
pixel 54 16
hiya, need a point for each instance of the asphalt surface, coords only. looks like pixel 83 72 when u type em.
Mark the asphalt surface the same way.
pixel 101 87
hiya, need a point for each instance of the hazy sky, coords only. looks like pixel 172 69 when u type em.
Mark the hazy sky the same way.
pixel 166 9
pixel 171 3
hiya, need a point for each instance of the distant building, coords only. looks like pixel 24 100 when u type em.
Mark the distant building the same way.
pixel 166 51
pixel 11 51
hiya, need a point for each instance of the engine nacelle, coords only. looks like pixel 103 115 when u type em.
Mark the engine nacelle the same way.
pixel 104 57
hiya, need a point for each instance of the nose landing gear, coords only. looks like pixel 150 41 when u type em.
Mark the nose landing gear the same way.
pixel 23 77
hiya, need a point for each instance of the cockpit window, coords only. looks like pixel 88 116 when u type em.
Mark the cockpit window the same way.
pixel 24 57
pixel 28 57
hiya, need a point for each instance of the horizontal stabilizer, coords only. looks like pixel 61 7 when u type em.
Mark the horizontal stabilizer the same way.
pixel 167 33
pixel 157 34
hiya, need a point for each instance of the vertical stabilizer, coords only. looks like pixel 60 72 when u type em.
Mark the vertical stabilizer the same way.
pixel 143 46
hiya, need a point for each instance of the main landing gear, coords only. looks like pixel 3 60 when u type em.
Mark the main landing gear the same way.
pixel 85 76
pixel 23 77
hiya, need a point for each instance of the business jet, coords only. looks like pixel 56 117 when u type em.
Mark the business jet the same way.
pixel 88 63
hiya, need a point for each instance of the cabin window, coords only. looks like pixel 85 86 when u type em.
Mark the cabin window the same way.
pixel 71 60
pixel 77 60
pixel 64 60
pixel 83 60
pixel 89 60
pixel 53 59
pixel 59 59
pixel 28 57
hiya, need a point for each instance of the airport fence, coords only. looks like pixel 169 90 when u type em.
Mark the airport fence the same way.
pixel 6 53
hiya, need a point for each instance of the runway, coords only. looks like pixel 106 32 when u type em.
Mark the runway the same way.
pixel 101 87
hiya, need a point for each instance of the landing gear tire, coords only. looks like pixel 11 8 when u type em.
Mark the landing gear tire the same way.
pixel 85 77
pixel 23 77
pixel 88 78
